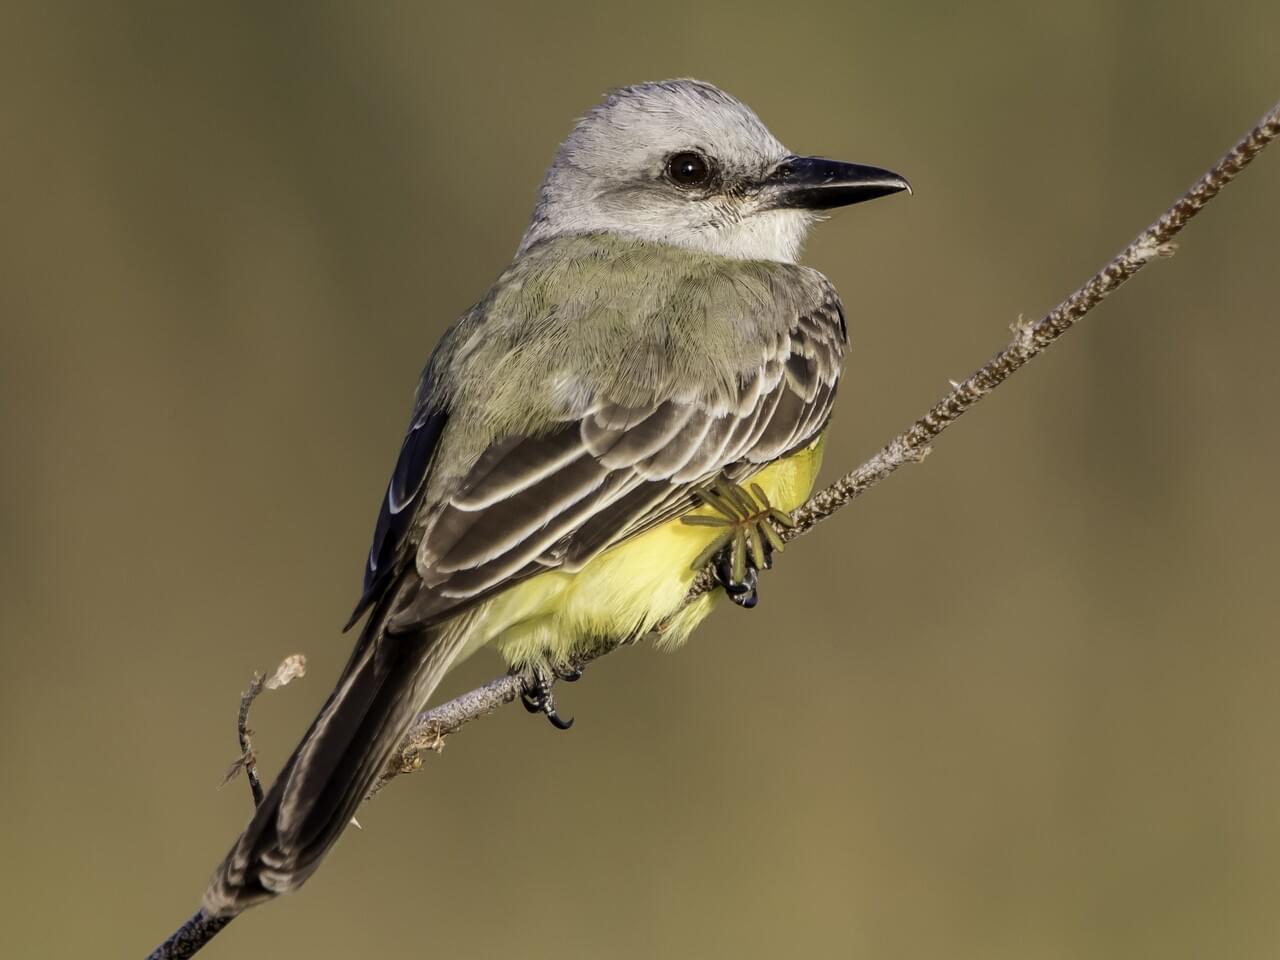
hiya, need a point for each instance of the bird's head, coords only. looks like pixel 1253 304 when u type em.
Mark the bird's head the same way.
pixel 684 163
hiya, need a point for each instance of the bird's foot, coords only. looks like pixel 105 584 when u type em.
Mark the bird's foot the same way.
pixel 747 540
pixel 537 696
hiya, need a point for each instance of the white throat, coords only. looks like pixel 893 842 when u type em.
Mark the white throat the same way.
pixel 771 235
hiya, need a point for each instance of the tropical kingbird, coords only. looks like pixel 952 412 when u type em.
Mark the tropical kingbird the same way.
pixel 652 373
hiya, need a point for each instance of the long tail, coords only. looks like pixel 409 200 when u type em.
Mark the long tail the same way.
pixel 386 683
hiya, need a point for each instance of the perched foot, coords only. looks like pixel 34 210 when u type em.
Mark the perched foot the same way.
pixel 538 697
pixel 747 541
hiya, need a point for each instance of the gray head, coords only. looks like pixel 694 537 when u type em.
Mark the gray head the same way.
pixel 682 162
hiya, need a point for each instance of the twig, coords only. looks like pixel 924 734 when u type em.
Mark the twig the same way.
pixel 189 938
pixel 430 728
pixel 291 668
pixel 248 760
pixel 1029 340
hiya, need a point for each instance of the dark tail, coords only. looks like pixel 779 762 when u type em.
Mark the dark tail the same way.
pixel 331 771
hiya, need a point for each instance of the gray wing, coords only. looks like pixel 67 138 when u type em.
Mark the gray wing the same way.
pixel 554 501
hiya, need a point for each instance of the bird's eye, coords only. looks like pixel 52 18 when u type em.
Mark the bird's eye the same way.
pixel 688 169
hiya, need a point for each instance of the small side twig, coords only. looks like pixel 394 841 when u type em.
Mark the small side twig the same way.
pixel 290 668
pixel 248 760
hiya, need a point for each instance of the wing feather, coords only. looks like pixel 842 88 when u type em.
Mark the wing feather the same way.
pixel 513 465
pixel 624 447
pixel 465 539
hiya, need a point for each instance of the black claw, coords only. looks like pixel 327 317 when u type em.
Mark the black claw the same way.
pixel 558 721
pixel 745 592
pixel 569 674
pixel 538 697
pixel 748 594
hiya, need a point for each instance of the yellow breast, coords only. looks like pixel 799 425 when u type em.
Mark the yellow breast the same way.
pixel 631 587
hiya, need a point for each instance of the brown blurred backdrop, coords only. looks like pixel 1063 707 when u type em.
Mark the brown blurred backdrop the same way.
pixel 1017 703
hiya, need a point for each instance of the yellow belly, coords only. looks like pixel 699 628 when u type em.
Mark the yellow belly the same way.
pixel 631 587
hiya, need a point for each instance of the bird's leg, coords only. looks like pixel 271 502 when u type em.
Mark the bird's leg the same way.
pixel 747 540
pixel 537 696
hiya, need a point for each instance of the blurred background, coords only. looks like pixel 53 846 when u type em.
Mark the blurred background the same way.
pixel 1018 702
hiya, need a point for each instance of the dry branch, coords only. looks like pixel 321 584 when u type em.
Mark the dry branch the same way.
pixel 1029 340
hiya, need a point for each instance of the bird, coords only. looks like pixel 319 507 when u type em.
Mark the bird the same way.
pixel 644 389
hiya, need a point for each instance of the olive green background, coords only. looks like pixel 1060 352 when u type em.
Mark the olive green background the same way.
pixel 1018 702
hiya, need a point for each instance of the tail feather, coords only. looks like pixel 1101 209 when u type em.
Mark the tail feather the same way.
pixel 335 765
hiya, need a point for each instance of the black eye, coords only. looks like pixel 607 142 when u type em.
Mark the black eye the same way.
pixel 688 169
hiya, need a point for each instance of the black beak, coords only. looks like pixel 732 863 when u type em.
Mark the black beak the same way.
pixel 813 183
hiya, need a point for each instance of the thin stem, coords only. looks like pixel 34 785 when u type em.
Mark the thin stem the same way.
pixel 912 445
pixel 248 759
pixel 189 938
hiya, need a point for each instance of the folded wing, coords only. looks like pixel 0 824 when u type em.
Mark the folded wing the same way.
pixel 555 500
